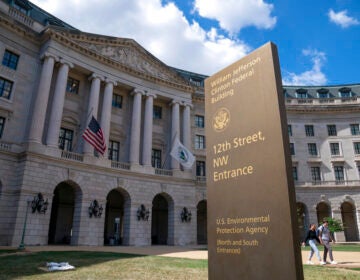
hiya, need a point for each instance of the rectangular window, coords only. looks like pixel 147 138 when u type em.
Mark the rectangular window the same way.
pixel 335 149
pixel 302 95
pixel 354 129
pixel 315 173
pixel 339 173
pixel 357 148
pixel 2 125
pixel 156 158
pixel 157 112
pixel 295 173
pixel 200 168
pixel 117 101
pixel 72 86
pixel 199 121
pixel 323 95
pixel 65 139
pixel 309 130
pixel 292 149
pixel 199 142
pixel 10 59
pixel 114 150
pixel 290 130
pixel 5 88
pixel 331 128
pixel 312 149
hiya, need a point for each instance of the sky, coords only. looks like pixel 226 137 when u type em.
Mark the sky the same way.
pixel 318 41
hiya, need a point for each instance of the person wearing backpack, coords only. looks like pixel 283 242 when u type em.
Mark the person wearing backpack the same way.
pixel 325 239
pixel 312 238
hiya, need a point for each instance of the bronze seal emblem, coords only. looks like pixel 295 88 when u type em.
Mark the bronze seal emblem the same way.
pixel 221 119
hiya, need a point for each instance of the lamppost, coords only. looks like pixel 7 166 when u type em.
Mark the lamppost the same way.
pixel 22 245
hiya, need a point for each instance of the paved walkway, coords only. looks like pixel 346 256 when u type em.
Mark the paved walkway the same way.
pixel 344 259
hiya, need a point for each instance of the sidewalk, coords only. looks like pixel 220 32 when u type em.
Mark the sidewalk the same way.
pixel 344 259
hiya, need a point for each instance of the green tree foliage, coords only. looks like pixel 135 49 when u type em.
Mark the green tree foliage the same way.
pixel 335 225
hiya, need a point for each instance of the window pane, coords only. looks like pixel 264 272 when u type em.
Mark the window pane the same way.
pixel 157 112
pixel 114 150
pixel 5 88
pixel 339 173
pixel 354 129
pixel 295 174
pixel 156 158
pixel 292 149
pixel 199 121
pixel 200 168
pixel 65 139
pixel 335 149
pixel 331 130
pixel 290 130
pixel 315 173
pixel 10 59
pixel 117 101
pixel 309 130
pixel 312 149
pixel 357 148
pixel 72 86
pixel 199 142
pixel 2 125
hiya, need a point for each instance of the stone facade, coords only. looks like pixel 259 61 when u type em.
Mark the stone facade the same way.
pixel 63 76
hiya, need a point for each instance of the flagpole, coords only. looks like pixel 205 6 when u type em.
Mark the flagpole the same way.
pixel 168 154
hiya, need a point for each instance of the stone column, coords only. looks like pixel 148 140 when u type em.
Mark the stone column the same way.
pixel 42 98
pixel 175 129
pixel 135 128
pixel 58 105
pixel 148 129
pixel 187 126
pixel 92 107
pixel 106 111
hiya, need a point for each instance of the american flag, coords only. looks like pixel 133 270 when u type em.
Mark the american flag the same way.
pixel 93 134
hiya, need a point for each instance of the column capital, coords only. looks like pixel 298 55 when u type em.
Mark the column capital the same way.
pixel 68 63
pixel 137 90
pixel 174 102
pixel 110 81
pixel 187 104
pixel 48 54
pixel 150 94
pixel 96 76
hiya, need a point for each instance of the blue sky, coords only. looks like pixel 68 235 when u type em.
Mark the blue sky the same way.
pixel 318 41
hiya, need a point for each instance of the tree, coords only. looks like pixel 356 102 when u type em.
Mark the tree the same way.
pixel 335 225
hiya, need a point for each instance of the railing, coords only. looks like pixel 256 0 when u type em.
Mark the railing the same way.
pixel 120 165
pixel 4 146
pixel 322 101
pixel 347 183
pixel 20 17
pixel 72 156
pixel 163 172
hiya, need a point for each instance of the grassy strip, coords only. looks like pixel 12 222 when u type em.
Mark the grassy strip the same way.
pixel 342 248
pixel 107 265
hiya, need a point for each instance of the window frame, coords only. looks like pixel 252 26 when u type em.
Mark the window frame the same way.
pixel 156 158
pixel 315 173
pixel 309 130
pixel 199 121
pixel 114 148
pixel 337 172
pixel 332 145
pixel 117 101
pixel 2 126
pixel 9 61
pixel 331 129
pixel 200 168
pixel 6 87
pixel 66 140
pixel 355 129
pixel 356 146
pixel 292 149
pixel 200 142
pixel 312 149
pixel 70 85
pixel 290 132
pixel 295 173
pixel 157 112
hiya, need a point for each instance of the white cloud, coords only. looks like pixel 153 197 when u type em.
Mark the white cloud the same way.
pixel 341 18
pixel 233 15
pixel 314 76
pixel 160 28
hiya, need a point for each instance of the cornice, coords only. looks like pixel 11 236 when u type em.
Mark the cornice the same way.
pixel 66 40
pixel 323 109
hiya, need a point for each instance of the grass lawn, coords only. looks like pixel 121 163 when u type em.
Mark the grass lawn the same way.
pixel 104 265
pixel 335 247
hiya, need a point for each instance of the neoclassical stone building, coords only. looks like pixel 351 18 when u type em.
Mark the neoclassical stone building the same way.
pixel 53 77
